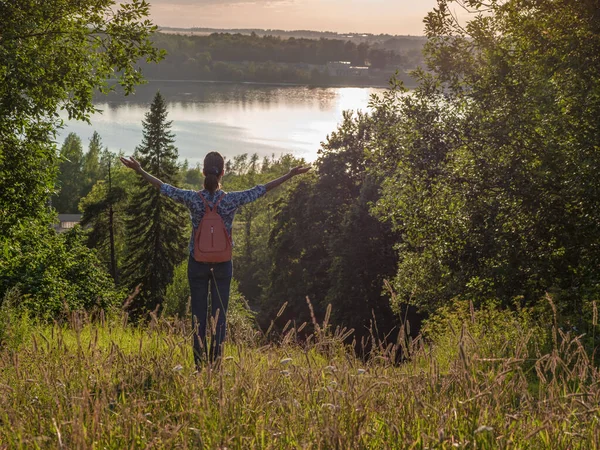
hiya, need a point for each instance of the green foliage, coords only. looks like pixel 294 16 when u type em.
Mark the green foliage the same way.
pixel 192 177
pixel 54 273
pixel 298 257
pixel 70 179
pixel 326 245
pixel 239 57
pixel 77 173
pixel 492 163
pixel 177 296
pixel 362 257
pixel 489 331
pixel 91 167
pixel 104 212
pixel 155 225
pixel 253 222
pixel 240 327
pixel 56 55
pixel 15 323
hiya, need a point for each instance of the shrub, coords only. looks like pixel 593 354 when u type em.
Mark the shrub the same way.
pixel 15 325
pixel 488 331
pixel 54 272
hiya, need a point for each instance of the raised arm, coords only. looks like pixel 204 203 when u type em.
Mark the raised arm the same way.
pixel 293 172
pixel 134 165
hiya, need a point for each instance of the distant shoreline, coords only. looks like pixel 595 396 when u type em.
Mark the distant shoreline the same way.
pixel 314 34
pixel 267 83
pixel 153 84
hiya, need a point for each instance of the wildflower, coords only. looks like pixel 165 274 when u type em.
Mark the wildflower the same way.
pixel 285 361
pixel 178 368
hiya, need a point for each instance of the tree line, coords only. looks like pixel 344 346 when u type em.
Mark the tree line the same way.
pixel 249 57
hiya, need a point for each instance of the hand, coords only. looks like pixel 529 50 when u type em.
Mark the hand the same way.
pixel 131 163
pixel 299 170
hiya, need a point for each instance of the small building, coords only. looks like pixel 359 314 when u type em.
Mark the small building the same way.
pixel 339 68
pixel 66 222
pixel 346 69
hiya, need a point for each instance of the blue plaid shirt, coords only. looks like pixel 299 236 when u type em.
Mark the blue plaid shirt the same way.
pixel 226 209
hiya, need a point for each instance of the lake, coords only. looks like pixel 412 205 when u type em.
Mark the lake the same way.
pixel 228 118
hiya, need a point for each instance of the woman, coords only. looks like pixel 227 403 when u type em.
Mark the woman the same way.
pixel 205 276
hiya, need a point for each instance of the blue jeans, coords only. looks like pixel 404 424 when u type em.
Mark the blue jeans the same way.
pixel 216 278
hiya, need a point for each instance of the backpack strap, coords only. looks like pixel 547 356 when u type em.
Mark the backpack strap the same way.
pixel 207 205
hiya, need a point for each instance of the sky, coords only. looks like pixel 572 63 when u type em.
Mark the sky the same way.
pixel 368 16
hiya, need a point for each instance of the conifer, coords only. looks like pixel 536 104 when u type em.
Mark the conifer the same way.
pixel 156 225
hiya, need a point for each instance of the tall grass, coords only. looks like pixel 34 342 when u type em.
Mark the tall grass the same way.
pixel 478 379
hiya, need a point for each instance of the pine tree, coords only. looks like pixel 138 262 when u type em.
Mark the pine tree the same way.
pixel 155 227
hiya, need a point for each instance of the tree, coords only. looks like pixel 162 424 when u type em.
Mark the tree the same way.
pixel 299 258
pixel 253 222
pixel 104 210
pixel 363 257
pixel 55 273
pixel 56 55
pixel 493 162
pixel 70 175
pixel 326 245
pixel 155 227
pixel 91 170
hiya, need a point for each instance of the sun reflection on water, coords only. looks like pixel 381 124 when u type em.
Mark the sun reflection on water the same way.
pixel 231 119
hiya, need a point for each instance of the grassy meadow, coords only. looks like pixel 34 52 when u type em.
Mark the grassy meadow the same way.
pixel 477 380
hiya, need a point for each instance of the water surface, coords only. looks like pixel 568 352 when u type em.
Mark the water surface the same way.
pixel 228 118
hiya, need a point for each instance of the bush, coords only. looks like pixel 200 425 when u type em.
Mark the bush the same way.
pixel 15 325
pixel 488 332
pixel 177 298
pixel 54 272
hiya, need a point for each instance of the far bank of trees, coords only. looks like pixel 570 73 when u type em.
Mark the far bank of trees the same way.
pixel 249 57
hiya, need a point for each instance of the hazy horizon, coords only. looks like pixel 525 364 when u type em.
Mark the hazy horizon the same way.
pixel 283 30
pixel 396 17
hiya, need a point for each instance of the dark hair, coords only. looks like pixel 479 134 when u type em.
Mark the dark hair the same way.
pixel 213 166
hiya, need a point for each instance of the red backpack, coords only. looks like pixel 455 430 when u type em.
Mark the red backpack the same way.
pixel 212 242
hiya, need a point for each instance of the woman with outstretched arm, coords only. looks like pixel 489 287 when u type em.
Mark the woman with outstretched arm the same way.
pixel 210 271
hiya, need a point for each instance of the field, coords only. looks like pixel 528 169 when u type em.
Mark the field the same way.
pixel 481 381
